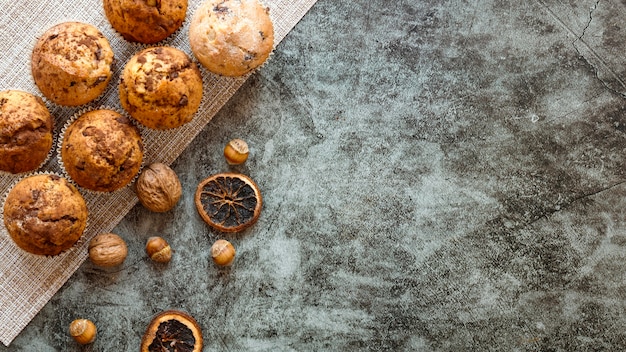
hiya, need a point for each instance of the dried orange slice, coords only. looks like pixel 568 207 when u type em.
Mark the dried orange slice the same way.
pixel 172 331
pixel 229 202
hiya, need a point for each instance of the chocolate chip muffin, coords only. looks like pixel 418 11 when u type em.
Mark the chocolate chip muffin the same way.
pixel 45 214
pixel 71 63
pixel 145 21
pixel 102 150
pixel 25 131
pixel 161 88
pixel 231 37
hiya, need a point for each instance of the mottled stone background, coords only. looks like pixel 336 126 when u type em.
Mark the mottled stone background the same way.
pixel 437 176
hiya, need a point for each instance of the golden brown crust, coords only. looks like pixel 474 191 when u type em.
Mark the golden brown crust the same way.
pixel 145 21
pixel 161 88
pixel 45 214
pixel 71 63
pixel 102 150
pixel 231 37
pixel 25 131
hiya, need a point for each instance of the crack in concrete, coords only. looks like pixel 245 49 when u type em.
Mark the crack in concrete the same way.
pixel 601 190
pixel 594 67
pixel 591 10
pixel 579 39
pixel 565 205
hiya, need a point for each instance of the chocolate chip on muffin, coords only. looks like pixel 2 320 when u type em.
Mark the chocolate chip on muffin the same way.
pixel 231 37
pixel 25 131
pixel 102 150
pixel 161 88
pixel 145 21
pixel 45 214
pixel 71 63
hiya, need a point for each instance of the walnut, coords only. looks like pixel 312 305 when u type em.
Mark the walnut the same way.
pixel 158 188
pixel 107 250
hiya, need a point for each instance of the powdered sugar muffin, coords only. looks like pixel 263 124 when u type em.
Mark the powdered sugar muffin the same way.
pixel 45 214
pixel 231 37
pixel 25 131
pixel 145 21
pixel 71 63
pixel 161 88
pixel 102 150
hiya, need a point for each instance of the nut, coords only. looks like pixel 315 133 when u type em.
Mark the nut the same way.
pixel 158 188
pixel 222 252
pixel 236 152
pixel 107 250
pixel 158 249
pixel 83 331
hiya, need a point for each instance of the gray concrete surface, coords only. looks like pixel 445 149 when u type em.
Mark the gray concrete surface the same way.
pixel 438 176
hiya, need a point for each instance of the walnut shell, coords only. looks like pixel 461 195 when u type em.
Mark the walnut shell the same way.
pixel 158 188
pixel 107 250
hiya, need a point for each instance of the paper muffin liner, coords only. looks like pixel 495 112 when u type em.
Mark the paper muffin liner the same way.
pixel 203 75
pixel 140 45
pixel 254 70
pixel 59 147
pixel 78 242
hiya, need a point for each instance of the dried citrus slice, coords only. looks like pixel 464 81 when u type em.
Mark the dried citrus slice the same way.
pixel 229 202
pixel 172 331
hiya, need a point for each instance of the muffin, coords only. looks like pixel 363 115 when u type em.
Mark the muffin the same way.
pixel 145 21
pixel 45 214
pixel 161 88
pixel 25 131
pixel 231 37
pixel 102 150
pixel 71 63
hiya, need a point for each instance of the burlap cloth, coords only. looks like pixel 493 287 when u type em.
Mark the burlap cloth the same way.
pixel 27 282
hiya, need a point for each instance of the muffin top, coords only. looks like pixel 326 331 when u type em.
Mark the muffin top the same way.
pixel 231 37
pixel 25 131
pixel 71 63
pixel 161 88
pixel 102 150
pixel 45 214
pixel 145 21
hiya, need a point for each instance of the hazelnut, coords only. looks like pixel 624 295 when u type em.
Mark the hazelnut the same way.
pixel 222 252
pixel 236 152
pixel 107 250
pixel 158 250
pixel 83 331
pixel 158 188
